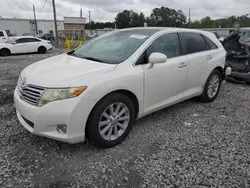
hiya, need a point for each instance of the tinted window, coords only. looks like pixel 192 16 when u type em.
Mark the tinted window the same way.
pixel 32 40
pixel 21 40
pixel 194 42
pixel 1 34
pixel 167 44
pixel 210 44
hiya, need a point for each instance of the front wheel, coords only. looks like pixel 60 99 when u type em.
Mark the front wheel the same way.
pixel 212 86
pixel 4 52
pixel 110 121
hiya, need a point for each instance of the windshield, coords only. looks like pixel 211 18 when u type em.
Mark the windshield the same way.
pixel 115 47
pixel 10 40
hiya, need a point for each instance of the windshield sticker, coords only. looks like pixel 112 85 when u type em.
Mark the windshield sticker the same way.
pixel 139 36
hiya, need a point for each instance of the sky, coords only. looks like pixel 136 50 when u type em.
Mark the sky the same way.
pixel 106 10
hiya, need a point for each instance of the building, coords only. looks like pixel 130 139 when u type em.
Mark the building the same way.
pixel 16 26
pixel 74 26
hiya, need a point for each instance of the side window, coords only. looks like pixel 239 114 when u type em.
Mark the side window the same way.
pixel 168 44
pixel 23 40
pixel 1 34
pixel 210 44
pixel 194 43
pixel 32 40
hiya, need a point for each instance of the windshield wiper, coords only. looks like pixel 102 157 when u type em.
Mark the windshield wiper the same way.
pixel 94 59
pixel 72 53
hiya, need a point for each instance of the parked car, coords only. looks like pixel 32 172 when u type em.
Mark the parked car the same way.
pixel 3 36
pixel 28 34
pixel 47 36
pixel 237 45
pixel 18 45
pixel 98 90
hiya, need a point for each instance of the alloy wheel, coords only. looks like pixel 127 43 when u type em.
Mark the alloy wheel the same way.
pixel 213 86
pixel 114 121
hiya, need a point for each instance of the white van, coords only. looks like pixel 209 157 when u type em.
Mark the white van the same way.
pixel 3 36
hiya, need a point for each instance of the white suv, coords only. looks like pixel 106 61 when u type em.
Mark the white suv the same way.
pixel 98 90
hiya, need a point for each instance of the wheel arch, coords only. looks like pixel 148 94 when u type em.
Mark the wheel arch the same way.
pixel 42 46
pixel 220 69
pixel 5 48
pixel 125 92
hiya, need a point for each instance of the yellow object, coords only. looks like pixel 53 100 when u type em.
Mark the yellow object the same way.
pixel 68 44
pixel 80 44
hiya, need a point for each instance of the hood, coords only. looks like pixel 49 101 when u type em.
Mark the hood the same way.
pixel 4 44
pixel 63 71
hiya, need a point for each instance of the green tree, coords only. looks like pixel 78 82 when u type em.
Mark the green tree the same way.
pixel 167 17
pixel 128 19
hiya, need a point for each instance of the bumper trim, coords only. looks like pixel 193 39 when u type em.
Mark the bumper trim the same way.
pixel 31 124
pixel 241 76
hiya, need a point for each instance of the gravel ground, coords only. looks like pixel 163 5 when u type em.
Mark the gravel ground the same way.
pixel 190 144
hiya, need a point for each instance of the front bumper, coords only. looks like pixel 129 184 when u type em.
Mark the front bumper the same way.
pixel 43 120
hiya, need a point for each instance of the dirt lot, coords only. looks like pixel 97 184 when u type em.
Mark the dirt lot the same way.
pixel 190 144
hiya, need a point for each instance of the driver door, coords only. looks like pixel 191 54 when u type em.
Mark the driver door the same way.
pixel 165 82
pixel 19 46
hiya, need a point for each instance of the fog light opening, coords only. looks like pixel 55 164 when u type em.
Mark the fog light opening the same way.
pixel 62 128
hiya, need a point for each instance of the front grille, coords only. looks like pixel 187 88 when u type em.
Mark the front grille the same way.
pixel 30 93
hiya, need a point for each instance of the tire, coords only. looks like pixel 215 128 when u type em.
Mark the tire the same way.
pixel 94 128
pixel 41 50
pixel 5 52
pixel 205 96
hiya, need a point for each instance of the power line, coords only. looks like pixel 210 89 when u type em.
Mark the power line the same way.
pixel 29 2
pixel 43 5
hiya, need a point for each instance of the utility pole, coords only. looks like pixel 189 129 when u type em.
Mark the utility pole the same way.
pixel 90 22
pixel 189 17
pixel 34 10
pixel 54 11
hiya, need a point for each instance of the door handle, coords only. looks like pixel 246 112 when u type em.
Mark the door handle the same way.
pixel 209 57
pixel 182 64
pixel 4 38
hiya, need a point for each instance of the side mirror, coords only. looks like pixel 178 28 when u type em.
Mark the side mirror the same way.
pixel 157 58
pixel 13 42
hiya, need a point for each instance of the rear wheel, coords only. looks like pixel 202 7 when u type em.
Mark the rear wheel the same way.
pixel 110 121
pixel 212 86
pixel 4 52
pixel 41 50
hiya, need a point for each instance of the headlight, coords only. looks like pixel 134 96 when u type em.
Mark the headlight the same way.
pixel 60 93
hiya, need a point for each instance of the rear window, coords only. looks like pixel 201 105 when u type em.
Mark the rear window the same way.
pixel 32 40
pixel 22 40
pixel 210 44
pixel 194 43
pixel 1 34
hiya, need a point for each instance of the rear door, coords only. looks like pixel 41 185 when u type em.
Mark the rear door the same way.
pixel 197 57
pixel 32 44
